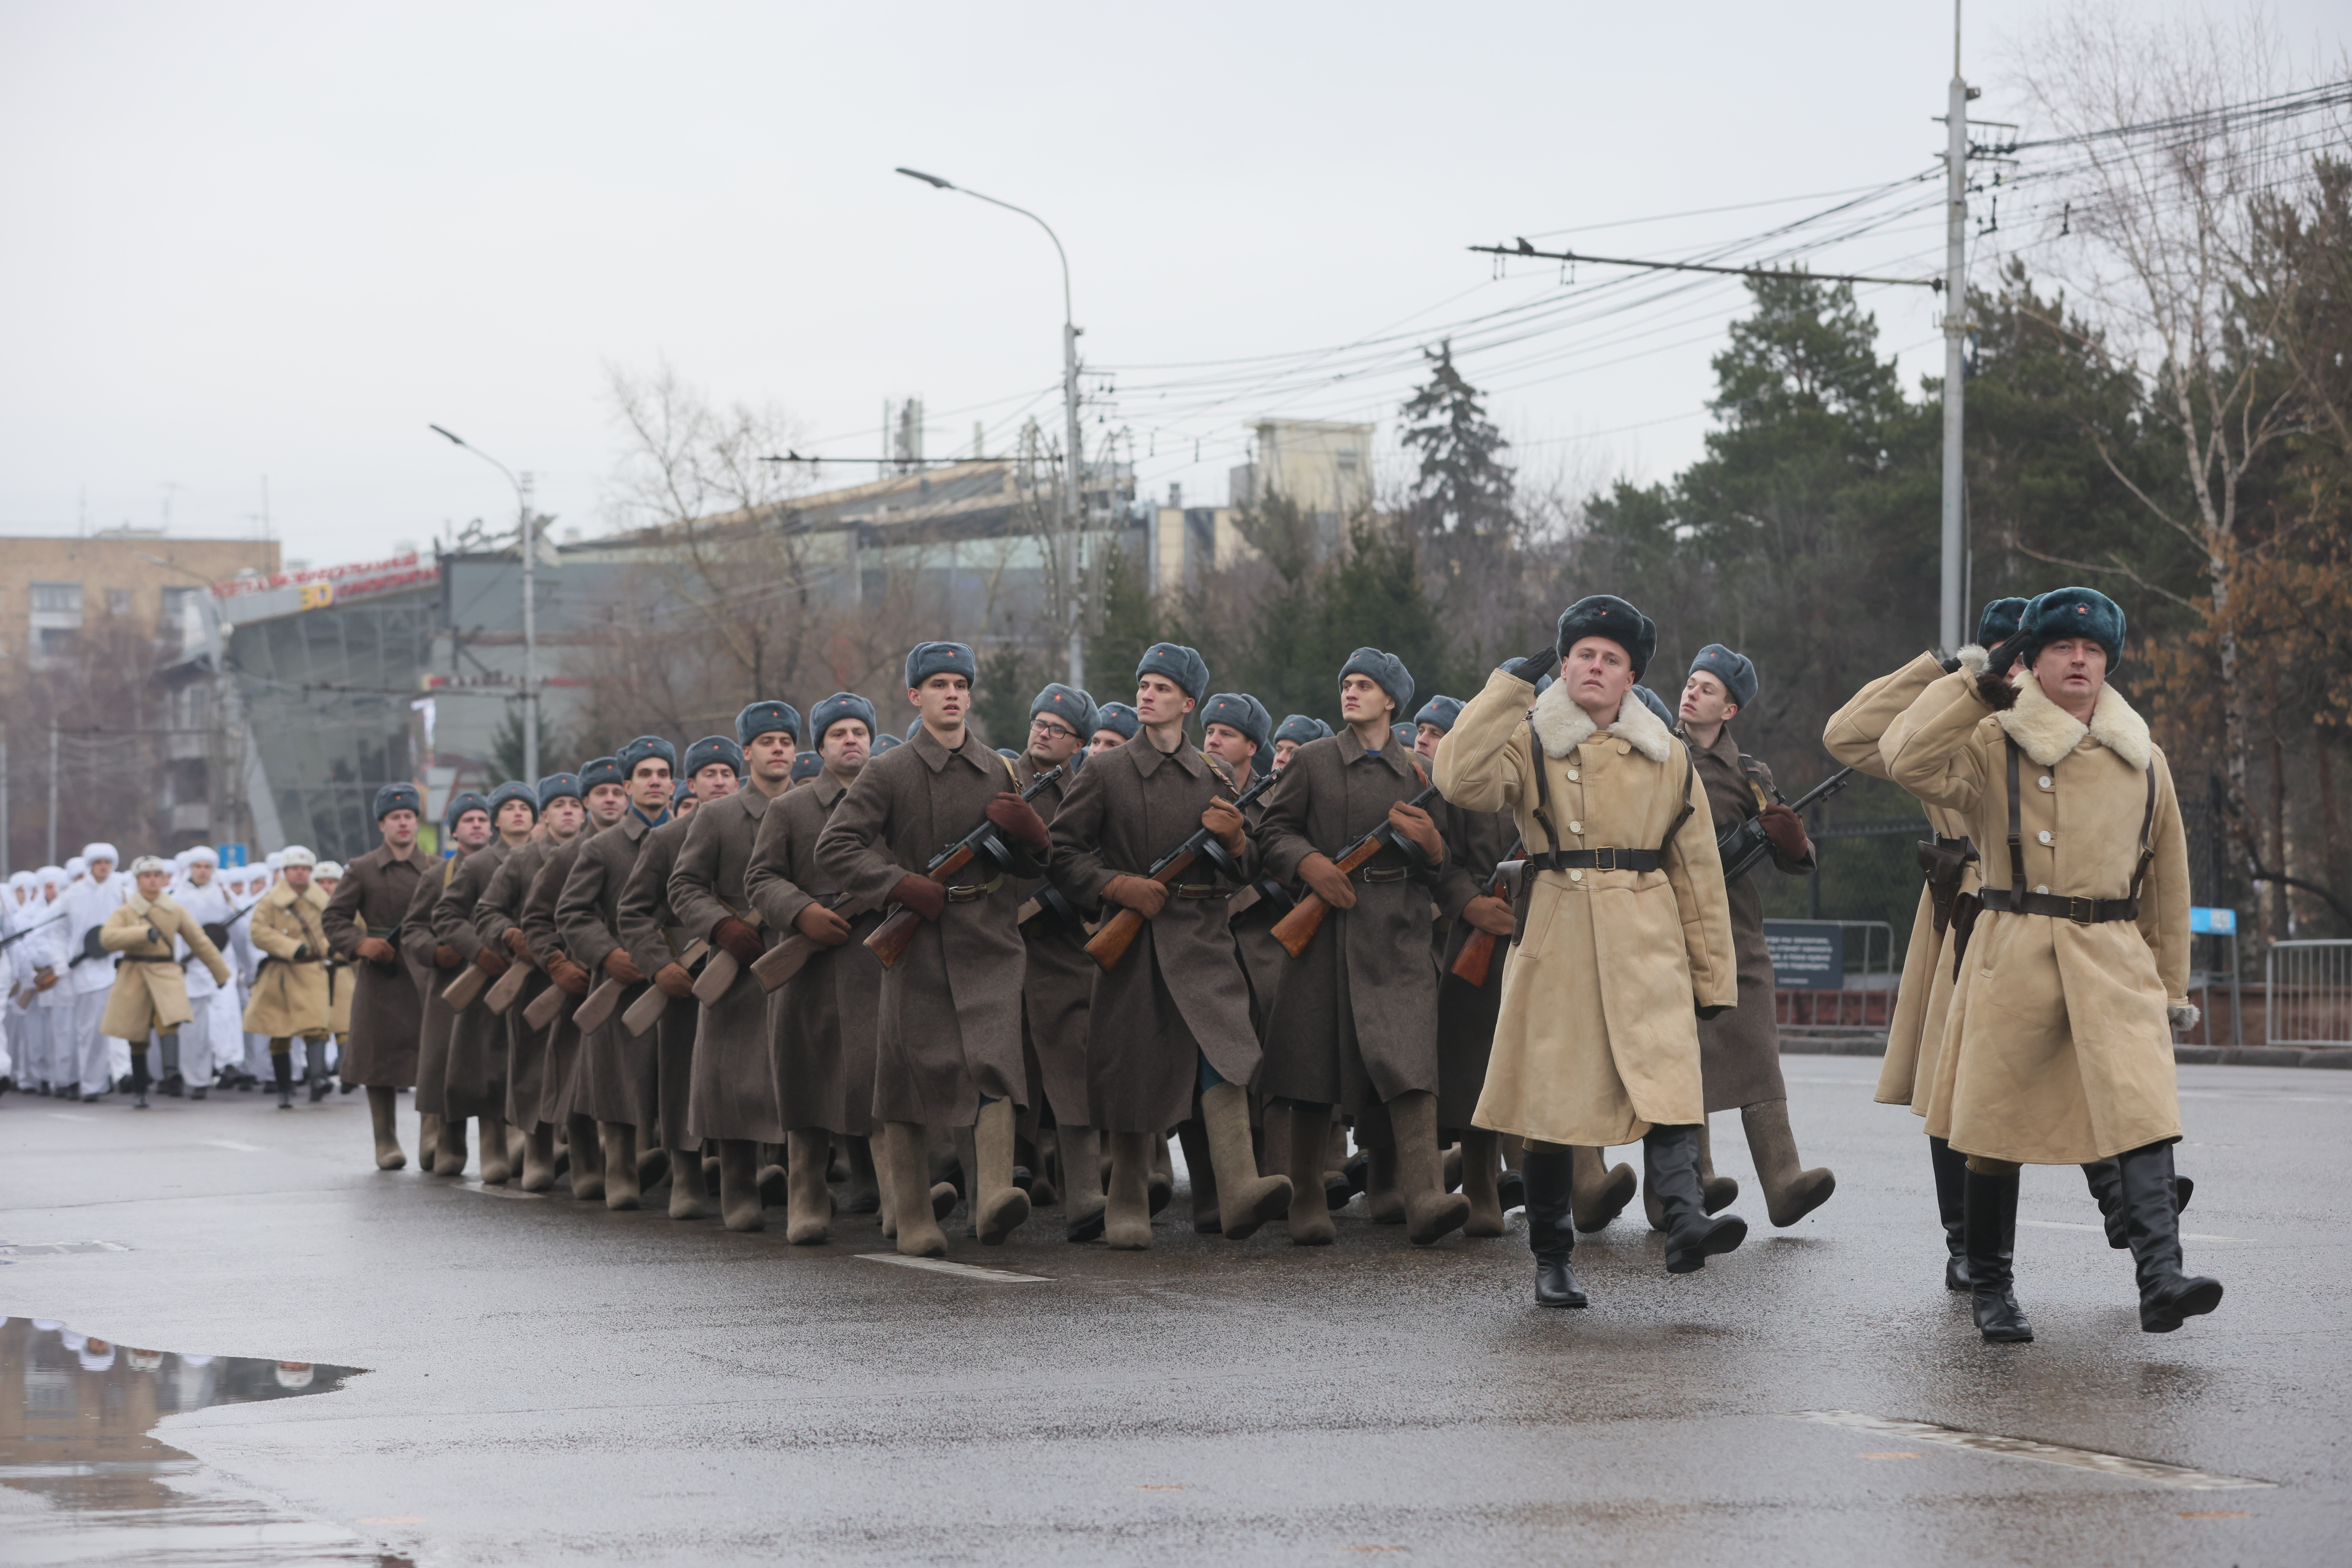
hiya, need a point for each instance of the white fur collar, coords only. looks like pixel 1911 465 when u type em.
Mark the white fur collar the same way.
pixel 2046 733
pixel 1973 658
pixel 1562 726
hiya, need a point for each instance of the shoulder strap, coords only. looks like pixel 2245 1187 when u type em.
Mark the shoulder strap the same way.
pixel 2016 828
pixel 2146 821
pixel 1689 770
pixel 1542 808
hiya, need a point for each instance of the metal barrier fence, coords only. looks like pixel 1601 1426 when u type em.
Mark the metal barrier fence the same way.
pixel 2307 993
pixel 1864 996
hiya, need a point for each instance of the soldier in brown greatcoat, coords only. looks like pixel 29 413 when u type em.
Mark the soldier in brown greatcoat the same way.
pixel 1168 1036
pixel 823 1020
pixel 1739 1050
pixel 1355 1022
pixel 465 827
pixel 1476 843
pixel 1234 729
pixel 649 931
pixel 474 1081
pixel 498 918
pixel 363 921
pixel 608 1079
pixel 733 1098
pixel 1059 976
pixel 948 1045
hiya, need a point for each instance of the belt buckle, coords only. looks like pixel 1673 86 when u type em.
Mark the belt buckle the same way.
pixel 1604 859
pixel 2082 911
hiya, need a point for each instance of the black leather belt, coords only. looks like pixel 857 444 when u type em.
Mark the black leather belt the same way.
pixel 143 957
pixel 1196 889
pixel 1376 875
pixel 2059 906
pixel 973 895
pixel 1598 860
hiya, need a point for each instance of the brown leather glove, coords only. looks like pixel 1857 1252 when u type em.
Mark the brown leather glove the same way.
pixel 44 980
pixel 488 962
pixel 517 943
pixel 673 980
pixel 922 895
pixel 567 976
pixel 738 938
pixel 376 950
pixel 448 957
pixel 1224 818
pixel 822 926
pixel 1785 830
pixel 1019 818
pixel 1415 824
pixel 1142 894
pixel 1325 879
pixel 1489 914
pixel 622 967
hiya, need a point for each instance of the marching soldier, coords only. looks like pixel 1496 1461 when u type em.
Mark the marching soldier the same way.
pixel 648 928
pixel 363 923
pixel 1355 1020
pixel 1115 725
pixel 326 876
pixel 1468 904
pixel 1234 729
pixel 2057 1045
pixel 1294 732
pixel 474 1080
pixel 214 1014
pixel 147 991
pixel 465 827
pixel 947 1043
pixel 85 1059
pixel 1739 1050
pixel 532 1078
pixel 824 1019
pixel 1168 1035
pixel 290 998
pixel 733 1098
pixel 1059 976
pixel 1624 935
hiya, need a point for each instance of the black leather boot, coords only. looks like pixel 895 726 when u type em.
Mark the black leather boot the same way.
pixel 139 1080
pixel 1951 1203
pixel 1549 1171
pixel 282 1067
pixel 2166 1296
pixel 1992 1246
pixel 1692 1237
pixel 2107 1182
pixel 170 1084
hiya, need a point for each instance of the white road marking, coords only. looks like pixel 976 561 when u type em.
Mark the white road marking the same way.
pixel 498 1192
pixel 2027 1448
pixel 2071 1225
pixel 969 1270
pixel 232 1143
pixel 78 1116
pixel 59 1248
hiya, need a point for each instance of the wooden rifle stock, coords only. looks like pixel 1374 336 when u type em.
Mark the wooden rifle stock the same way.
pixel 772 968
pixel 1477 958
pixel 510 986
pixel 1298 928
pixel 544 1006
pixel 647 1010
pixel 1109 944
pixel 890 941
pixel 460 993
pixel 597 1005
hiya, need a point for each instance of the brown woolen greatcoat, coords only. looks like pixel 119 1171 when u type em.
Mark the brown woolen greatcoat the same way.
pixel 2057 1050
pixel 949 1029
pixel 617 1077
pixel 435 1021
pixel 1739 1051
pixel 1924 992
pixel 500 911
pixel 1596 1039
pixel 474 1081
pixel 290 997
pixel 1263 960
pixel 823 1018
pixel 647 927
pixel 1178 995
pixel 565 1090
pixel 734 1089
pixel 1058 980
pixel 1476 843
pixel 1355 1020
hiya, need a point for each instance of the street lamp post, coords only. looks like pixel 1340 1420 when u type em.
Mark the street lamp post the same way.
pixel 1074 459
pixel 529 605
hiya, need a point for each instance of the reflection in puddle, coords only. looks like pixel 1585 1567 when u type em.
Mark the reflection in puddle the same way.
pixel 88 1482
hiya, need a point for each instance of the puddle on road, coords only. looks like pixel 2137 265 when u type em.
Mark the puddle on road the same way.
pixel 87 1481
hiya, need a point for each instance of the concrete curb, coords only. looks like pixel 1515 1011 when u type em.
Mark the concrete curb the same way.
pixel 1875 1044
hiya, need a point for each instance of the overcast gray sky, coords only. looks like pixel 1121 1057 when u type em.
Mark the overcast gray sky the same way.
pixel 249 239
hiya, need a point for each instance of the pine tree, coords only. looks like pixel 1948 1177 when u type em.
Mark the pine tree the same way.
pixel 1463 489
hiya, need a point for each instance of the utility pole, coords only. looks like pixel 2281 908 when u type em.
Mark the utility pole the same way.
pixel 529 641
pixel 1074 500
pixel 53 859
pixel 3 799
pixel 1956 327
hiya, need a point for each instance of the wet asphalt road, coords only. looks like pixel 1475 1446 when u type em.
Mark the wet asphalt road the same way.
pixel 554 1383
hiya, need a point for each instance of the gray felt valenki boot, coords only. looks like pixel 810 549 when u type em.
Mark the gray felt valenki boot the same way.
pixel 1431 1211
pixel 1246 1200
pixel 1600 1194
pixel 498 1153
pixel 739 1184
pixel 538 1158
pixel 1310 1206
pixel 617 1143
pixel 1127 1217
pixel 1200 1173
pixel 907 1160
pixel 690 1192
pixel 584 1139
pixel 808 1202
pixel 1790 1192
pixel 1480 1184
pixel 998 1206
pixel 383 1110
pixel 1082 1186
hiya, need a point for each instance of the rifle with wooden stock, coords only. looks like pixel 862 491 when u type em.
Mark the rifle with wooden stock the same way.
pixel 1477 958
pixel 1743 845
pixel 647 1010
pixel 1118 934
pixel 790 956
pixel 890 939
pixel 1298 928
